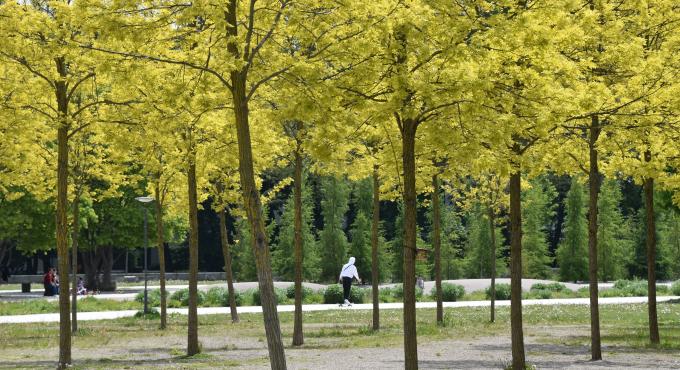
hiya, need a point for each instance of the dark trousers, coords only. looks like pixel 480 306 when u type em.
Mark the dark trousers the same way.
pixel 346 286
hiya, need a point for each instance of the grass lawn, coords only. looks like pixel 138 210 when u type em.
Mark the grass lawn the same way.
pixel 87 304
pixel 137 342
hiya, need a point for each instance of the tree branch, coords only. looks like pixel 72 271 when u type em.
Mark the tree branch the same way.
pixel 162 60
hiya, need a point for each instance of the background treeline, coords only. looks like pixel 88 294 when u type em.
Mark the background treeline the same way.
pixel 336 225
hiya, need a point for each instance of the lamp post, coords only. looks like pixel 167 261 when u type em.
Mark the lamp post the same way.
pixel 145 200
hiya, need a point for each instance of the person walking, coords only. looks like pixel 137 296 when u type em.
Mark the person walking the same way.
pixel 348 272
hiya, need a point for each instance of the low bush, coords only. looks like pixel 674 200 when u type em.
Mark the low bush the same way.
pixel 631 288
pixel 280 295
pixel 153 297
pixel 334 294
pixel 398 292
pixel 502 292
pixel 219 297
pixel 290 292
pixel 182 296
pixel 552 287
pixel 450 292
pixel 675 288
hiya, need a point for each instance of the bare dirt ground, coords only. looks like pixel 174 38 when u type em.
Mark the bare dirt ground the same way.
pixel 546 348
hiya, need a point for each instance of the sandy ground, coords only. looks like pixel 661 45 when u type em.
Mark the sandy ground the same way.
pixel 542 348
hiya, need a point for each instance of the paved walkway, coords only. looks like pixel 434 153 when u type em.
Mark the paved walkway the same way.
pixel 108 315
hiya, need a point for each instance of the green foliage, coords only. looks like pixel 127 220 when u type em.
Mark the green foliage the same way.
pixel 279 295
pixel 283 254
pixel 182 296
pixel 552 287
pixel 242 251
pixel 478 258
pixel 290 292
pixel 537 213
pixel 398 292
pixel 614 234
pixel 332 239
pixel 219 297
pixel 450 292
pixel 27 221
pixel 153 297
pixel 572 253
pixel 452 235
pixel 668 226
pixel 360 247
pixel 502 292
pixel 333 294
pixel 675 288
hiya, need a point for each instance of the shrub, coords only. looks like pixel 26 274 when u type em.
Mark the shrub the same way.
pixel 450 292
pixel 290 292
pixel 552 287
pixel 398 292
pixel 182 296
pixel 153 297
pixel 279 295
pixel 356 295
pixel 502 292
pixel 664 289
pixel 334 294
pixel 632 288
pixel 385 295
pixel 543 293
pixel 218 296
pixel 675 288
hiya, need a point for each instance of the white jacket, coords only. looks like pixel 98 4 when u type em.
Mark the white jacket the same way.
pixel 349 270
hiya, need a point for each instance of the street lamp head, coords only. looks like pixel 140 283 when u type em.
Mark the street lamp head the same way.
pixel 144 199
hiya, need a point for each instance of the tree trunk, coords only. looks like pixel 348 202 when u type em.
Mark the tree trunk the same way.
pixel 518 359
pixel 62 218
pixel 375 273
pixel 492 228
pixel 192 329
pixel 594 189
pixel 436 243
pixel 74 263
pixel 298 338
pixel 107 283
pixel 251 200
pixel 227 265
pixel 651 256
pixel 160 241
pixel 408 135
pixel 90 265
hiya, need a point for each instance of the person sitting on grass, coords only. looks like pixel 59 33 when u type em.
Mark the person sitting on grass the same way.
pixel 348 272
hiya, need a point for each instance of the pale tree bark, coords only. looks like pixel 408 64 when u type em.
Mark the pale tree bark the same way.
pixel 651 257
pixel 62 218
pixel 160 241
pixel 375 273
pixel 492 228
pixel 594 188
pixel 74 263
pixel 298 337
pixel 517 336
pixel 192 329
pixel 227 265
pixel 436 243
pixel 408 134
